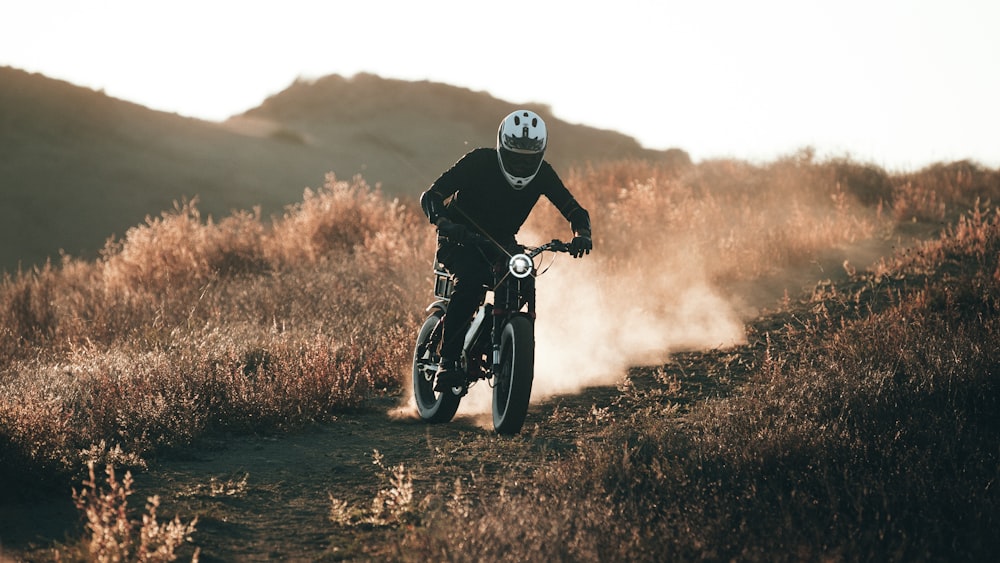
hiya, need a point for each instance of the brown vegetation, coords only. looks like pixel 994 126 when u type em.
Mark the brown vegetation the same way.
pixel 114 535
pixel 861 425
pixel 188 326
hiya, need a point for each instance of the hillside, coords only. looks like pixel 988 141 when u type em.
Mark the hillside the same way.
pixel 406 133
pixel 78 166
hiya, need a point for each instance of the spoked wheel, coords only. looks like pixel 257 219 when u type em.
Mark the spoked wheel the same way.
pixel 432 406
pixel 512 386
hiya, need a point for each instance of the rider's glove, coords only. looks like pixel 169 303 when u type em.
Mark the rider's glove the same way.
pixel 581 244
pixel 456 232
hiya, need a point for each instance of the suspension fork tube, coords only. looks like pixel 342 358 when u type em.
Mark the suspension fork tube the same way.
pixel 501 311
pixel 498 321
pixel 528 291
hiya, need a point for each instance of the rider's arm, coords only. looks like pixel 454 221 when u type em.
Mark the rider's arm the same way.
pixel 579 220
pixel 433 205
pixel 556 192
pixel 432 200
pixel 578 217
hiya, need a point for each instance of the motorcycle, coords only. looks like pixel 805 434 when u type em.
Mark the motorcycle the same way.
pixel 499 342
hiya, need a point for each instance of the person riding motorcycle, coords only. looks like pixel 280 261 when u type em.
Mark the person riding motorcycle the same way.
pixel 491 193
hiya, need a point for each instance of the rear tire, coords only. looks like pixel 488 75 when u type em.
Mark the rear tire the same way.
pixel 512 387
pixel 433 407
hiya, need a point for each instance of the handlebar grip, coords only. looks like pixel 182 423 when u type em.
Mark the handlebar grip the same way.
pixel 559 246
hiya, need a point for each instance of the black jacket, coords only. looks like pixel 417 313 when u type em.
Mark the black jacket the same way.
pixel 482 199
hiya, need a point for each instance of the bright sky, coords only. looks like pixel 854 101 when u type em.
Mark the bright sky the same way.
pixel 900 83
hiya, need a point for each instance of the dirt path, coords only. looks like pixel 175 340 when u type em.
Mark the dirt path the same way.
pixel 269 498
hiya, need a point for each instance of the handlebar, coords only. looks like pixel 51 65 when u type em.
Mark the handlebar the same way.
pixel 476 239
pixel 555 246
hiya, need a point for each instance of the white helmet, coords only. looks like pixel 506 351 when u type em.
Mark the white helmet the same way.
pixel 521 143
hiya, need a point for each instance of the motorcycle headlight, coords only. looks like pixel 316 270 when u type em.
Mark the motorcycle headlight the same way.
pixel 520 265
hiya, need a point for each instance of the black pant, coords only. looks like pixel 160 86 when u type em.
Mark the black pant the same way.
pixel 473 271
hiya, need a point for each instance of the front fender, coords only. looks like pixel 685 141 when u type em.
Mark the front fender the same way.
pixel 529 316
pixel 440 305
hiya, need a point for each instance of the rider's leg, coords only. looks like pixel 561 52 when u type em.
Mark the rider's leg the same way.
pixel 471 272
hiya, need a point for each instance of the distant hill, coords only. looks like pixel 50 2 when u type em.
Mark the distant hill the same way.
pixel 78 166
pixel 404 134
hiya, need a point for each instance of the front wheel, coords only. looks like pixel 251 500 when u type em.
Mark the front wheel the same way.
pixel 512 386
pixel 433 407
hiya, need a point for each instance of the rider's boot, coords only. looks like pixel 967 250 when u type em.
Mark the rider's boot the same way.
pixel 448 376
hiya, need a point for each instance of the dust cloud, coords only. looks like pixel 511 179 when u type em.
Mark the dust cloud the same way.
pixel 596 320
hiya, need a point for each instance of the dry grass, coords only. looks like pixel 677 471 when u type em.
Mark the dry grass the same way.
pixel 392 505
pixel 188 326
pixel 867 437
pixel 113 533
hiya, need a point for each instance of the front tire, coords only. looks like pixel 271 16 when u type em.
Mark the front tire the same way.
pixel 512 387
pixel 433 407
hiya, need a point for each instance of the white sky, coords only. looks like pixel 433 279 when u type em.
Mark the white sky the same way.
pixel 898 83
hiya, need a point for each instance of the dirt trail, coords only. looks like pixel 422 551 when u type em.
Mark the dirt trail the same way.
pixel 268 498
pixel 261 498
pixel 265 498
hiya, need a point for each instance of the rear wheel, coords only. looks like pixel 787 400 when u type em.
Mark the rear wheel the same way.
pixel 433 407
pixel 512 386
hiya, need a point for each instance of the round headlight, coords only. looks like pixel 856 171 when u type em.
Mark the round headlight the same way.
pixel 520 265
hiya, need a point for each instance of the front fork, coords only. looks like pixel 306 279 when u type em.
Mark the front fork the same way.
pixel 498 322
pixel 515 296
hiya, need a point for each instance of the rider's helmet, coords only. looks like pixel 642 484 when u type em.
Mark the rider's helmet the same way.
pixel 521 143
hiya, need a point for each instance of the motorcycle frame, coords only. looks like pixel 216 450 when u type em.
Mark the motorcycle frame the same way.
pixel 511 297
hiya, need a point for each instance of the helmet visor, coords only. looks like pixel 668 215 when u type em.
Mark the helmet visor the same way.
pixel 519 164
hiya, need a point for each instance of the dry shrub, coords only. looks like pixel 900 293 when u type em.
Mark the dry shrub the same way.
pixel 29 318
pixel 392 504
pixel 917 201
pixel 941 191
pixel 115 536
pixel 870 184
pixel 188 326
pixel 38 428
pixel 179 250
pixel 337 221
